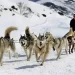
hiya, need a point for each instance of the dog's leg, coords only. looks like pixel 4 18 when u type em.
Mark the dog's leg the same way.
pixel 15 54
pixel 44 57
pixel 72 48
pixel 40 56
pixel 30 53
pixel 9 55
pixel 57 50
pixel 33 52
pixel 25 50
pixel 1 56
pixel 69 48
pixel 59 53
pixel 36 55
pixel 66 49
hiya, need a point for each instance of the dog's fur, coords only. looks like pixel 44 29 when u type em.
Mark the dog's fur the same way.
pixel 63 42
pixel 27 42
pixel 70 33
pixel 49 37
pixel 9 29
pixel 71 40
pixel 59 44
pixel 6 43
pixel 41 48
pixel 27 45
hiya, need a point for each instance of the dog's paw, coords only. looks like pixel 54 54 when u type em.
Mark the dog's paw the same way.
pixel 41 64
pixel 28 59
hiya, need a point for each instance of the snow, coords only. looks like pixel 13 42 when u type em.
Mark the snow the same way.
pixel 56 24
pixel 67 4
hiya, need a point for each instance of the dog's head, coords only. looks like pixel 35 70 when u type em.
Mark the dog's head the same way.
pixel 41 37
pixel 40 41
pixel 23 40
pixel 47 34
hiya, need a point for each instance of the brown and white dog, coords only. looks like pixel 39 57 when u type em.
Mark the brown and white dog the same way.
pixel 41 48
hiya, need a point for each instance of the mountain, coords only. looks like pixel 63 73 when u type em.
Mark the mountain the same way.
pixel 63 7
pixel 34 0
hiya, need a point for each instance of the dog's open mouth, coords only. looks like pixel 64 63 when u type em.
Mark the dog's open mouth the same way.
pixel 22 43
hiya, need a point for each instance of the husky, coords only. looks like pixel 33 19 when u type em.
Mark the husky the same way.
pixel 6 43
pixel 27 42
pixel 71 40
pixel 27 45
pixel 41 48
pixel 62 42
pixel 59 44
pixel 49 37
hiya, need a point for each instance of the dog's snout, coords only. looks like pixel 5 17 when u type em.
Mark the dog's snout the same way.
pixel 22 43
pixel 40 43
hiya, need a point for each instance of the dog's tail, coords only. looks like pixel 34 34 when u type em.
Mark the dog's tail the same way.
pixel 9 29
pixel 29 35
pixel 27 31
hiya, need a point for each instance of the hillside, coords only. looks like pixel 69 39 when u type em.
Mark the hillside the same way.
pixel 33 17
pixel 63 7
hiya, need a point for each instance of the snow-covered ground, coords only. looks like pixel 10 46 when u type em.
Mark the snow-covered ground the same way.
pixel 53 22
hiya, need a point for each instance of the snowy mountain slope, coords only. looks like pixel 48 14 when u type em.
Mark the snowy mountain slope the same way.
pixel 8 18
pixel 34 20
pixel 66 7
pixel 58 25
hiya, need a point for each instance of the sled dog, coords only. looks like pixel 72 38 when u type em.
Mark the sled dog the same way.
pixel 27 42
pixel 41 48
pixel 62 42
pixel 6 43
pixel 59 44
pixel 71 40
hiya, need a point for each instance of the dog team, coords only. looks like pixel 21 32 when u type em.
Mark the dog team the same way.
pixel 37 45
